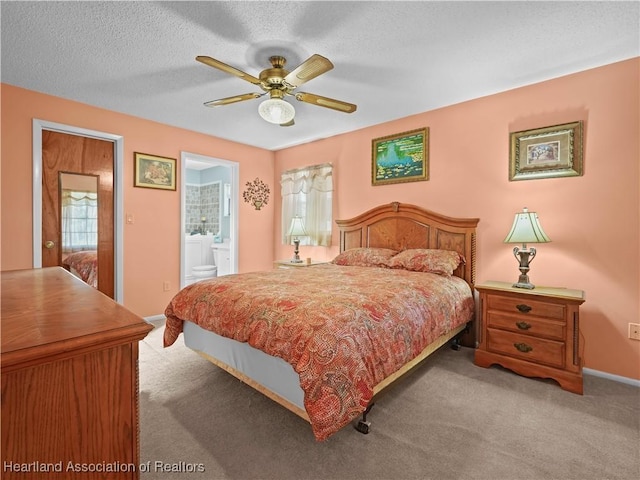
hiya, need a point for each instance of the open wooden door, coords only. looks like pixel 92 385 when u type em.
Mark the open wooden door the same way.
pixel 67 153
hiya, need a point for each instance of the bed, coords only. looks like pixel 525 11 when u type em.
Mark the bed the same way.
pixel 84 265
pixel 325 341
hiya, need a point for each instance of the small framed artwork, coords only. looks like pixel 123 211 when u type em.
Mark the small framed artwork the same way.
pixel 546 152
pixel 152 171
pixel 400 158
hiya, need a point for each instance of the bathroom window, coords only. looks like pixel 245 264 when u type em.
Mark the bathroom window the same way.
pixel 308 193
pixel 226 200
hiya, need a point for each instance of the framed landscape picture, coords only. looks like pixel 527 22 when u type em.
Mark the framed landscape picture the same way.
pixel 152 171
pixel 400 158
pixel 546 152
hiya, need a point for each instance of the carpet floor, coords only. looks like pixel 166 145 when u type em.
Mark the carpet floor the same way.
pixel 446 420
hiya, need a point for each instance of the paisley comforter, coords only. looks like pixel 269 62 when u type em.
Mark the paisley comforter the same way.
pixel 343 329
pixel 84 265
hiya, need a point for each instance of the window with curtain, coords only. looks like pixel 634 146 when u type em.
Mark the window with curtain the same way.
pixel 307 193
pixel 79 221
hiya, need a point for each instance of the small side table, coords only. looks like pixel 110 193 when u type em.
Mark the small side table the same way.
pixel 535 333
pixel 290 264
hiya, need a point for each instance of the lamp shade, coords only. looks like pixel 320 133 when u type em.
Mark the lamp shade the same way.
pixel 526 228
pixel 275 110
pixel 297 228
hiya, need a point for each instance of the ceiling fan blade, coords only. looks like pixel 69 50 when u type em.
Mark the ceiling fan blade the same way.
pixel 234 99
pixel 326 102
pixel 309 69
pixel 212 62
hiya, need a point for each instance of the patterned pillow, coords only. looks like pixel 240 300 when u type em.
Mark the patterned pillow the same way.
pixel 365 257
pixel 442 262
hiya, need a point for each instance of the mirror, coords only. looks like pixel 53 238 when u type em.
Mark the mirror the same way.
pixel 78 195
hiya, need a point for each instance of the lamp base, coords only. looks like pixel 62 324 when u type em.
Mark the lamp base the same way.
pixel 523 282
pixel 296 253
pixel 524 257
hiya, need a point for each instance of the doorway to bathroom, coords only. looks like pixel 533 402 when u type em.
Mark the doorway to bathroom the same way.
pixel 209 217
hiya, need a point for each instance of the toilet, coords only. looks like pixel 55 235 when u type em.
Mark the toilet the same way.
pixel 202 272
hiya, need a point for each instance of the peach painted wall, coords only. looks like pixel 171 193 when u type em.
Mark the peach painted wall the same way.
pixel 152 243
pixel 593 220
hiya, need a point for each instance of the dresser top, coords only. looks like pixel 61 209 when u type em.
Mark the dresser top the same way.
pixel 46 311
pixel 565 293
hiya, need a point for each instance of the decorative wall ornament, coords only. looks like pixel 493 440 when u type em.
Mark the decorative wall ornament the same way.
pixel 257 193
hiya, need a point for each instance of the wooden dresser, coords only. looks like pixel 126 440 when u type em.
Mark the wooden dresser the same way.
pixel 69 379
pixel 535 333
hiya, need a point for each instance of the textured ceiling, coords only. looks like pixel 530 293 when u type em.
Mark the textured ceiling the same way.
pixel 392 59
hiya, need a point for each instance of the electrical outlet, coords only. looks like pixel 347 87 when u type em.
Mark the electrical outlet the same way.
pixel 166 286
pixel 634 331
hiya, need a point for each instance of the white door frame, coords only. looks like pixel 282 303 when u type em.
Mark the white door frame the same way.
pixel 118 153
pixel 233 211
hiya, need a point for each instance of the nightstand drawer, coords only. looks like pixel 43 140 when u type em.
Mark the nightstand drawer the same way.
pixel 532 349
pixel 535 326
pixel 526 306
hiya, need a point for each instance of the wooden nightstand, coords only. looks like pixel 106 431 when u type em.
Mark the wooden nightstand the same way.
pixel 290 264
pixel 535 333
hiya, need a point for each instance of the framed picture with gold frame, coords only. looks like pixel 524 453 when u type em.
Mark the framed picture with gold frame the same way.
pixel 403 157
pixel 152 171
pixel 546 152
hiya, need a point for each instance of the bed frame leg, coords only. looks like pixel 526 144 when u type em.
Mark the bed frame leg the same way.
pixel 455 341
pixel 363 426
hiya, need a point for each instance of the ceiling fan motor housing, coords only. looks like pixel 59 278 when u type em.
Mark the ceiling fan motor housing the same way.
pixel 273 78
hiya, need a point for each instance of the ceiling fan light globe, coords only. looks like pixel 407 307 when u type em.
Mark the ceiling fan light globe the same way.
pixel 276 111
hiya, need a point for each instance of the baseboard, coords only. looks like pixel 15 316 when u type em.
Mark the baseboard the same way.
pixel 611 376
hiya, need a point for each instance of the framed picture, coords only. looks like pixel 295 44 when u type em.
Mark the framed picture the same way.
pixel 546 152
pixel 400 158
pixel 152 171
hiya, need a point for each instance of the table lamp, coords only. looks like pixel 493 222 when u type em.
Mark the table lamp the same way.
pixel 296 230
pixel 525 229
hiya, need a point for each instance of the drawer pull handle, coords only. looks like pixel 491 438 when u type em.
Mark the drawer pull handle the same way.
pixel 523 347
pixel 523 325
pixel 523 308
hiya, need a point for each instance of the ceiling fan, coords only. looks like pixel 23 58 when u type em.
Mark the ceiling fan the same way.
pixel 278 83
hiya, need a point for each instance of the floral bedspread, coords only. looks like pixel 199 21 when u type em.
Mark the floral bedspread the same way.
pixel 83 264
pixel 343 329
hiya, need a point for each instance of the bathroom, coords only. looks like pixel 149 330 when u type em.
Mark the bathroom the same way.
pixel 207 215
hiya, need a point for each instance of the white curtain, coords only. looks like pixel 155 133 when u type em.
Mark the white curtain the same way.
pixel 308 193
pixel 79 221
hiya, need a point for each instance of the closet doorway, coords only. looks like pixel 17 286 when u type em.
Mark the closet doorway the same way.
pixel 209 215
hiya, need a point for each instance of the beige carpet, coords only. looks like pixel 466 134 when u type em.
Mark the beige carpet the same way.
pixel 448 420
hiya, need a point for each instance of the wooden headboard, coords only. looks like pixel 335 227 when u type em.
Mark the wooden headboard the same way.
pixel 400 226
